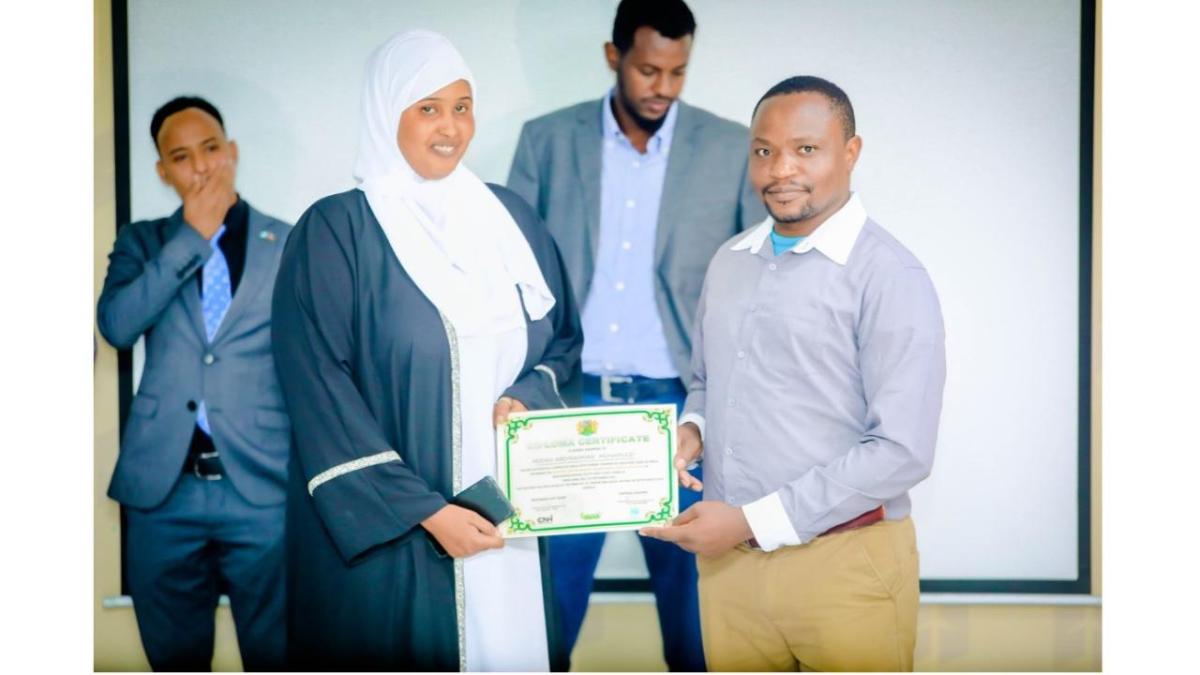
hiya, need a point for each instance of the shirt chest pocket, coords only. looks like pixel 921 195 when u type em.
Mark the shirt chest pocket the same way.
pixel 791 340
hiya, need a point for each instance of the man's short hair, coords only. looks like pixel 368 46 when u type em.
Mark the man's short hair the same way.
pixel 177 104
pixel 671 18
pixel 810 83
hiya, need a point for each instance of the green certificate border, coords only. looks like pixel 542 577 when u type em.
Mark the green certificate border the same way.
pixel 654 413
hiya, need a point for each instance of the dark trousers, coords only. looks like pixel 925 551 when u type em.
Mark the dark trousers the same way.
pixel 204 540
pixel 673 578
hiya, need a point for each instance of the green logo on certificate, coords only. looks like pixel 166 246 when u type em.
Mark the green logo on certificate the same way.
pixel 587 427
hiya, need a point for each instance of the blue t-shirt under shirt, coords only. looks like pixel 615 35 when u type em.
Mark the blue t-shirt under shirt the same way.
pixel 781 243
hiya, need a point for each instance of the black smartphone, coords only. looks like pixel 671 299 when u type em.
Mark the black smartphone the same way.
pixel 483 497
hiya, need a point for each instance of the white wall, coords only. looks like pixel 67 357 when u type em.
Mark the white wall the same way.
pixel 969 113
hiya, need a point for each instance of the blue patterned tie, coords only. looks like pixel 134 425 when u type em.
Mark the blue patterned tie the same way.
pixel 215 297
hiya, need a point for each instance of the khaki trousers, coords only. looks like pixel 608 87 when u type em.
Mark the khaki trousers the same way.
pixel 845 601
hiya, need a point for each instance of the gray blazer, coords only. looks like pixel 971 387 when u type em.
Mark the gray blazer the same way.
pixel 706 200
pixel 151 289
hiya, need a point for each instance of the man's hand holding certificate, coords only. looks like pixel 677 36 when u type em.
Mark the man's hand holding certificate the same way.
pixel 588 469
pixel 707 528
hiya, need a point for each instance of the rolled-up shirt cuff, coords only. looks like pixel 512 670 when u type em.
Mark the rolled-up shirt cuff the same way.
pixel 770 523
pixel 694 418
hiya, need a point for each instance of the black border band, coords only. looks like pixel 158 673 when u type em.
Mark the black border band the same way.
pixel 120 48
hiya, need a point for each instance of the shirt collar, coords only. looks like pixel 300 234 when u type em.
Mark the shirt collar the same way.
pixel 659 142
pixel 835 237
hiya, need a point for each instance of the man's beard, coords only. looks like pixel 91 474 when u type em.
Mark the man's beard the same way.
pixel 805 213
pixel 644 123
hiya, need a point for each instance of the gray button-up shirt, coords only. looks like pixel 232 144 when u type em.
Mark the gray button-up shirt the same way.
pixel 818 377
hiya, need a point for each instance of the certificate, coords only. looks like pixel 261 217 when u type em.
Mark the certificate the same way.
pixel 588 469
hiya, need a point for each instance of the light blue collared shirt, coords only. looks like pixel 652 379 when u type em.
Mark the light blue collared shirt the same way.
pixel 623 333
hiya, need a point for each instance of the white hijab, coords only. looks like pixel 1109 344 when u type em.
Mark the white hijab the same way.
pixel 453 236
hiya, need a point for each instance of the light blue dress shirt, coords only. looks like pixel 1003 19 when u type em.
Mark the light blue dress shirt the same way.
pixel 623 332
pixel 818 377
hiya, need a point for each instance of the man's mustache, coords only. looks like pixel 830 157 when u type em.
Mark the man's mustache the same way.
pixel 786 186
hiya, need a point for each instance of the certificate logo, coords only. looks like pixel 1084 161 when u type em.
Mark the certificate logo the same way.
pixel 587 427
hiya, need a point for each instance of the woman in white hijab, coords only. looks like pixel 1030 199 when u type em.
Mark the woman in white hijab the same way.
pixel 409 314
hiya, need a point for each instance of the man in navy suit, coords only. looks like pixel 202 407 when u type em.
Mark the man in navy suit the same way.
pixel 204 451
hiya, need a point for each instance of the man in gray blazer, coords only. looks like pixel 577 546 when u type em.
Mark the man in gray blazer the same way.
pixel 204 450
pixel 639 190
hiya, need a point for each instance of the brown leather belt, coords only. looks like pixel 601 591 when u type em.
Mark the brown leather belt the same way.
pixel 869 518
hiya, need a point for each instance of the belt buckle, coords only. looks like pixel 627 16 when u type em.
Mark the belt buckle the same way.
pixel 606 383
pixel 196 467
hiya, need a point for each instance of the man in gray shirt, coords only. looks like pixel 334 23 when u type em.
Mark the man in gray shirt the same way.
pixel 819 364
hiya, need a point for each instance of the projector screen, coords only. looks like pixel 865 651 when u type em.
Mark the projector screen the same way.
pixel 970 112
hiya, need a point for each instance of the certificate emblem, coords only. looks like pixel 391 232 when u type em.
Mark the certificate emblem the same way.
pixel 588 469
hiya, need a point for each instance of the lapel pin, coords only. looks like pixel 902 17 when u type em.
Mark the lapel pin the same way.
pixel 267 234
